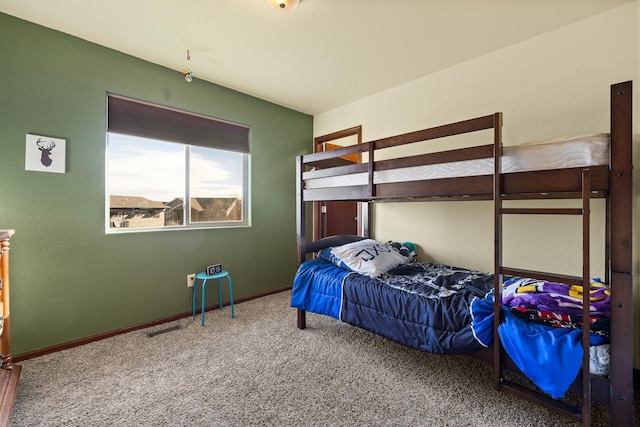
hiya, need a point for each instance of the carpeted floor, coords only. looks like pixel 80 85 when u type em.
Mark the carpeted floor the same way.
pixel 258 369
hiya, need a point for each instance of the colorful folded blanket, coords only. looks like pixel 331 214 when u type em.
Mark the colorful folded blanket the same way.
pixel 557 298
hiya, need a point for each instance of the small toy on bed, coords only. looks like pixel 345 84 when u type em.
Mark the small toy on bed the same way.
pixel 406 249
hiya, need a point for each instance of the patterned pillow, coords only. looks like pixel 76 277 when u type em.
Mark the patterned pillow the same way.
pixel 368 257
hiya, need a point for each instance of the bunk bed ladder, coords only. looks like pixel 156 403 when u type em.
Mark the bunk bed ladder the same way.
pixel 582 414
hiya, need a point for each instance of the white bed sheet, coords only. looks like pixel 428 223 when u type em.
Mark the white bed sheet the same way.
pixel 578 151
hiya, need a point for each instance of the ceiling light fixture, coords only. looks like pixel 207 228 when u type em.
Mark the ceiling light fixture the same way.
pixel 283 4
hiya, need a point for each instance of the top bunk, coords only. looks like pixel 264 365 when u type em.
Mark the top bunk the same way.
pixel 404 168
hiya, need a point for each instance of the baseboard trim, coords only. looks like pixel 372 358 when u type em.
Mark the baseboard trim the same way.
pixel 98 337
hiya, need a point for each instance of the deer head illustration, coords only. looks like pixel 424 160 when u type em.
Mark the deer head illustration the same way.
pixel 45 145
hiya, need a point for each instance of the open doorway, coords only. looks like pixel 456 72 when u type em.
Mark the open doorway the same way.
pixel 340 217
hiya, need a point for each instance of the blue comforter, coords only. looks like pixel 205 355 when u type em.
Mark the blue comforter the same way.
pixel 422 305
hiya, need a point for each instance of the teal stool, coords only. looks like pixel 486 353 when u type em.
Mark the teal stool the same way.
pixel 204 277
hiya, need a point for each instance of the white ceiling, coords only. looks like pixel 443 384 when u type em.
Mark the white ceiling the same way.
pixel 321 55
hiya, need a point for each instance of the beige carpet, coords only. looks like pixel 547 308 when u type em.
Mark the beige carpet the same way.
pixel 260 370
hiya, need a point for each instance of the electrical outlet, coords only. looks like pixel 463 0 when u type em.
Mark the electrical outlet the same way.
pixel 190 279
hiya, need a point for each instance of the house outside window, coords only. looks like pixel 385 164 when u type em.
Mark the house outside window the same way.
pixel 168 169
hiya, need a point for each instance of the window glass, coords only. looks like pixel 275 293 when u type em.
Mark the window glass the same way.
pixel 148 181
pixel 215 185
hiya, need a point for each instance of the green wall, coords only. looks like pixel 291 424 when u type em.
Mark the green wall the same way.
pixel 69 280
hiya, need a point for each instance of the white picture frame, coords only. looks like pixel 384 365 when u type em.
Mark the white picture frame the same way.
pixel 45 154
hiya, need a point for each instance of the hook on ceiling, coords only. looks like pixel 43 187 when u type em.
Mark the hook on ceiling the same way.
pixel 188 75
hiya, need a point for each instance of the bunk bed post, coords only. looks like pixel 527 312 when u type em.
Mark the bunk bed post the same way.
pixel 497 246
pixel 607 240
pixel 371 185
pixel 300 230
pixel 586 296
pixel 365 212
pixel 621 383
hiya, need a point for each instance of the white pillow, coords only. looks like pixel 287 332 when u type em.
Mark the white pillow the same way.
pixel 368 257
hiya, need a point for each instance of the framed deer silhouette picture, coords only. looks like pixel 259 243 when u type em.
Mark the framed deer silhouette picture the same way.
pixel 45 154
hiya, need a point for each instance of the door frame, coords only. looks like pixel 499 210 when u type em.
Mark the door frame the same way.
pixel 363 207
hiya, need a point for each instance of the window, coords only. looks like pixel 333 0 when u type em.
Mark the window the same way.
pixel 168 169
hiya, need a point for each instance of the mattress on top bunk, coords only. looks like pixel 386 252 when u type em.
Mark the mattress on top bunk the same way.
pixel 562 153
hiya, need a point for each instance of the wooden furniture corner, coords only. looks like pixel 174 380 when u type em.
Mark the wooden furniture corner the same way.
pixel 9 373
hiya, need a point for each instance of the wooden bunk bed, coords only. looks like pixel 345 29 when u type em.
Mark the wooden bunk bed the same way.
pixel 612 181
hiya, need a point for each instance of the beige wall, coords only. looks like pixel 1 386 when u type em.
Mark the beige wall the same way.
pixel 553 85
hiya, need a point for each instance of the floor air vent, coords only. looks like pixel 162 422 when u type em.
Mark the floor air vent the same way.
pixel 163 331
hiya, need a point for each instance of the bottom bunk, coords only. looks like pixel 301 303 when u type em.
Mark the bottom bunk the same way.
pixel 449 310
pixel 425 306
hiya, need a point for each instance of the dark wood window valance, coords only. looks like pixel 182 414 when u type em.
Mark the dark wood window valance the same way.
pixel 139 118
